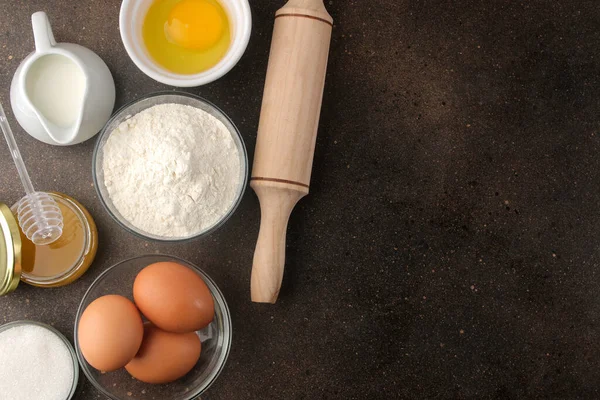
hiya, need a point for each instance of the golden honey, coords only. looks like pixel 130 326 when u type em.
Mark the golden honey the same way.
pixel 65 260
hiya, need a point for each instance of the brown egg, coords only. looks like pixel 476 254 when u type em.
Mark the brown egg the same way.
pixel 110 332
pixel 173 297
pixel 164 356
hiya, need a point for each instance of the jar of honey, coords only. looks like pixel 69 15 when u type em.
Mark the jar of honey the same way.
pixel 56 264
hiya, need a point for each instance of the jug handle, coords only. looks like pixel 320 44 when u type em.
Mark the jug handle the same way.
pixel 42 32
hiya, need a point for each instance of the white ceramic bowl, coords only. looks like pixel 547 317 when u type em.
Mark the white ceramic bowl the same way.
pixel 131 20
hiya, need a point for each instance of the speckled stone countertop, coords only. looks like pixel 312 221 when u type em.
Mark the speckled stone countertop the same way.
pixel 449 246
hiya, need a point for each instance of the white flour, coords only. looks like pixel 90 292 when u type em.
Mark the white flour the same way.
pixel 171 170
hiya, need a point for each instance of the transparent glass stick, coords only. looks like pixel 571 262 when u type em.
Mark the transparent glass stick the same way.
pixel 39 216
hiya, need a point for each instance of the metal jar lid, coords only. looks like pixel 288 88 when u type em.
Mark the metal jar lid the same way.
pixel 10 251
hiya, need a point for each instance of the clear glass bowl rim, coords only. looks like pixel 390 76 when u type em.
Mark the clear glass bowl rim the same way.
pixel 217 295
pixel 140 234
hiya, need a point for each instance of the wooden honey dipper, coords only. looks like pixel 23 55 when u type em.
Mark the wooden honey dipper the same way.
pixel 287 132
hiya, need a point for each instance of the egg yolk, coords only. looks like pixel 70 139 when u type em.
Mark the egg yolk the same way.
pixel 195 24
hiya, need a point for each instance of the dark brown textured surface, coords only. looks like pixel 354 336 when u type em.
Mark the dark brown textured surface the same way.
pixel 449 245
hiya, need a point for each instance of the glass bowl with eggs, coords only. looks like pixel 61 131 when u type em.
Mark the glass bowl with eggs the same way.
pixel 170 167
pixel 185 43
pixel 153 327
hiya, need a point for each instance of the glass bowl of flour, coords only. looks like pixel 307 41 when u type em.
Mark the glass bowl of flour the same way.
pixel 170 167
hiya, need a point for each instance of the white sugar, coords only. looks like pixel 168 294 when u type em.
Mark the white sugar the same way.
pixel 35 364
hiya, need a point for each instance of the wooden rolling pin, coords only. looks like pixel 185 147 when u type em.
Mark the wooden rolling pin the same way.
pixel 287 132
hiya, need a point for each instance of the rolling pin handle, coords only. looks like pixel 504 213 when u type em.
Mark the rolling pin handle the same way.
pixel 276 205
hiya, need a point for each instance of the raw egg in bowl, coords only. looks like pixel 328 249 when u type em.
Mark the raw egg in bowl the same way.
pixel 185 43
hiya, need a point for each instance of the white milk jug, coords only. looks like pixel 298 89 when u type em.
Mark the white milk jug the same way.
pixel 61 93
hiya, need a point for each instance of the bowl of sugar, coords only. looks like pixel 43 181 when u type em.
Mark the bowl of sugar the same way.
pixel 38 362
pixel 170 167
